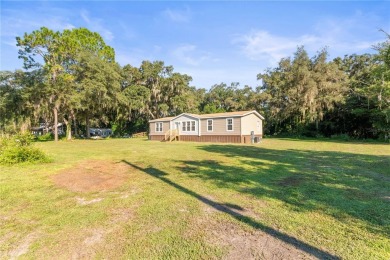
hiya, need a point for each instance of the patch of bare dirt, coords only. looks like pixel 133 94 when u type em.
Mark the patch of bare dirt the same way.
pixel 97 237
pixel 93 175
pixel 128 193
pixel 23 246
pixel 242 244
pixel 83 201
pixel 245 243
pixel 212 207
pixel 86 243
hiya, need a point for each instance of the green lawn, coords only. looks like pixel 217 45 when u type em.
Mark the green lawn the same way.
pixel 281 198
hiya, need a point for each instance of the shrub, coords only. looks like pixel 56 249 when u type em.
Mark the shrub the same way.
pixel 19 149
pixel 45 137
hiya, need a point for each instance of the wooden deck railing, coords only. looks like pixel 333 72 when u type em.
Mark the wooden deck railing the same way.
pixel 171 135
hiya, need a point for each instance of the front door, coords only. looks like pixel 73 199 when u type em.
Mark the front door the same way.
pixel 177 126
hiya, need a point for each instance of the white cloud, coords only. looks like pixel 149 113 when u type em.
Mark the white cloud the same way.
pixel 134 56
pixel 340 36
pixel 177 15
pixel 189 55
pixel 127 32
pixel 96 25
pixel 206 77
pixel 11 43
pixel 260 45
pixel 16 22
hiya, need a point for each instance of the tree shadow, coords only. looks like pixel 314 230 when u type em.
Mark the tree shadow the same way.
pixel 233 211
pixel 339 184
pixel 330 140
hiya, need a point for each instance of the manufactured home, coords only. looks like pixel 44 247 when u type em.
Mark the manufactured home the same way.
pixel 230 127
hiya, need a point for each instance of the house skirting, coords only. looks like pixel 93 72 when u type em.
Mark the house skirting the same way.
pixel 247 139
pixel 156 137
pixel 210 138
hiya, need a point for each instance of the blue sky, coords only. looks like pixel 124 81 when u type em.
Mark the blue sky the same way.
pixel 212 41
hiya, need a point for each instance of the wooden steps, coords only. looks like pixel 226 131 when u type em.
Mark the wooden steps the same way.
pixel 171 135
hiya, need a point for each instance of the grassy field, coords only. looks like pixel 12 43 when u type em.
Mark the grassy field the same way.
pixel 283 198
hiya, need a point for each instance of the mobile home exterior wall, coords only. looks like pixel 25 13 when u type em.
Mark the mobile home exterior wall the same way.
pixel 231 127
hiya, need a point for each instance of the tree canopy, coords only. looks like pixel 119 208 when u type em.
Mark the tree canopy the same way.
pixel 71 77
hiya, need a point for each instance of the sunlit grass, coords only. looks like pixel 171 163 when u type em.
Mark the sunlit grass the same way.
pixel 333 196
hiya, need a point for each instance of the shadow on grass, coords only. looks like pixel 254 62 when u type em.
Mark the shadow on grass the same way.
pixel 229 209
pixel 330 140
pixel 43 140
pixel 339 184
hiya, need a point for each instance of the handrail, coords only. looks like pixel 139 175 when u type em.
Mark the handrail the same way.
pixel 174 134
pixel 167 134
pixel 171 134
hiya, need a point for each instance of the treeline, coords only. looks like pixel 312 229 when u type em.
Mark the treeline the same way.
pixel 313 97
pixel 72 77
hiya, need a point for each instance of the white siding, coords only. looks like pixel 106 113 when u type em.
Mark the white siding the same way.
pixel 250 123
pixel 185 118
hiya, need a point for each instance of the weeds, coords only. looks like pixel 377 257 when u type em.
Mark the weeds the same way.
pixel 18 149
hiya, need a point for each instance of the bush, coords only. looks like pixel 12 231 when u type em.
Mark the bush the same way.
pixel 19 149
pixel 45 137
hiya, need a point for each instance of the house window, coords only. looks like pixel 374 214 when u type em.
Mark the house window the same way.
pixel 229 124
pixel 188 126
pixel 159 127
pixel 209 125
pixel 258 125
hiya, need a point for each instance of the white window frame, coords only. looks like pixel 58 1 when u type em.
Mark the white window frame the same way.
pixel 258 125
pixel 212 125
pixel 159 129
pixel 227 124
pixel 187 126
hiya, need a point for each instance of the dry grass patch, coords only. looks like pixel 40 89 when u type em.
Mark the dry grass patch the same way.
pixel 240 243
pixel 93 175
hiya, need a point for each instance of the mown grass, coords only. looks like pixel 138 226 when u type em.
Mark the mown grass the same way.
pixel 328 199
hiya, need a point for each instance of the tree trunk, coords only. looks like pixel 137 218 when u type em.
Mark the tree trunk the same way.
pixel 69 131
pixel 87 124
pixel 68 124
pixel 25 126
pixel 75 126
pixel 55 112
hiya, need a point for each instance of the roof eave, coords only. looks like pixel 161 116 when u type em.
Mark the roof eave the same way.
pixel 255 112
pixel 185 114
pixel 159 120
pixel 226 116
